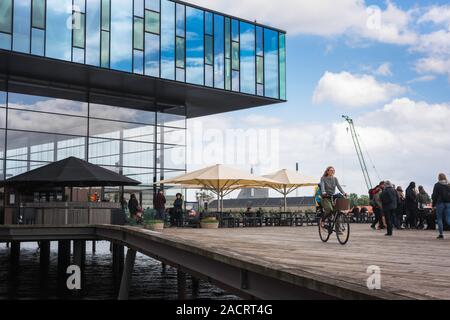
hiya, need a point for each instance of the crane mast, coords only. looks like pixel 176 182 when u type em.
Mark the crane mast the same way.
pixel 359 153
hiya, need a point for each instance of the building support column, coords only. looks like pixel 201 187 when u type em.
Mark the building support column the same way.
pixel 79 257
pixel 126 275
pixel 118 259
pixel 181 282
pixel 163 268
pixel 44 255
pixel 94 246
pixel 195 287
pixel 15 255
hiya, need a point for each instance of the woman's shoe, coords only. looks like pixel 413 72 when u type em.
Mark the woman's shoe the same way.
pixel 440 236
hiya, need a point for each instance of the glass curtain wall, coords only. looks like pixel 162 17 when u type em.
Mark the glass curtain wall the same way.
pixel 158 38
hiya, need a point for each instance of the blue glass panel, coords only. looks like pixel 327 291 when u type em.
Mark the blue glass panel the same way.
pixel 271 63
pixel 235 81
pixel 38 18
pixel 282 66
pixel 79 5
pixel 152 5
pixel 152 54
pixel 167 39
pixel 138 63
pixel 22 23
pixel 121 54
pixel 139 8
pixel 219 52
pixel 259 41
pixel 5 41
pixel 93 33
pixel 180 75
pixel 58 42
pixel 37 41
pixel 194 46
pixel 209 23
pixel 248 67
pixel 78 55
pixel 235 30
pixel 209 76
pixel 5 16
pixel 181 11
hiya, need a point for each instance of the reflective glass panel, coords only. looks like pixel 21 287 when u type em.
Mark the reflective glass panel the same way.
pixel 79 5
pixel 172 120
pixel 121 114
pixel 106 10
pixel 219 52
pixel 171 135
pixel 6 16
pixel 209 75
pixel 105 49
pixel 58 43
pixel 167 40
pixel 174 157
pixel 121 130
pixel 138 33
pixel 259 41
pixel 22 23
pixel 152 5
pixel 235 55
pixel 78 29
pixel 235 30
pixel 93 33
pixel 271 63
pixel 37 41
pixel 38 19
pixel 247 43
pixel 5 41
pixel 180 52
pixel 282 66
pixel 180 74
pixel 209 23
pixel 152 22
pixel 78 55
pixel 194 46
pixel 227 38
pixel 227 74
pixel 235 81
pixel 139 8
pixel 121 55
pixel 138 62
pixel 152 54
pixel 208 50
pixel 259 69
pixel 181 12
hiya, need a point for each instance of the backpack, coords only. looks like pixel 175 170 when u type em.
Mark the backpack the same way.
pixel 445 194
pixel 318 195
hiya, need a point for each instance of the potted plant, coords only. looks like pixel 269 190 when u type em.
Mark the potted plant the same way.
pixel 154 224
pixel 209 223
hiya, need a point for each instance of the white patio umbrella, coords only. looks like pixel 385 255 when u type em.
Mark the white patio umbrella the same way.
pixel 220 179
pixel 287 181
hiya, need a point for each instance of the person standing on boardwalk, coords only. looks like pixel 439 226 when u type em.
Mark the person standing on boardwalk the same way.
pixel 400 207
pixel 178 210
pixel 424 200
pixel 377 206
pixel 412 203
pixel 159 204
pixel 133 206
pixel 441 201
pixel 389 199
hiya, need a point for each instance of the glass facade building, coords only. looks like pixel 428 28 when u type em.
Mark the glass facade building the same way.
pixel 114 81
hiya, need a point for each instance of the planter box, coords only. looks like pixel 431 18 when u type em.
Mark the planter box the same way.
pixel 209 225
pixel 155 226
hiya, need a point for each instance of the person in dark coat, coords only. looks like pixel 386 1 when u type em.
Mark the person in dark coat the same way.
pixel 159 204
pixel 441 201
pixel 400 212
pixel 133 206
pixel 178 210
pixel 389 199
pixel 411 204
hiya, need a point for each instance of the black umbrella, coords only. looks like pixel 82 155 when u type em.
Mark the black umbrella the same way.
pixel 70 172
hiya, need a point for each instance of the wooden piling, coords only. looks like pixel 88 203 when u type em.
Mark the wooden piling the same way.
pixel 181 282
pixel 126 275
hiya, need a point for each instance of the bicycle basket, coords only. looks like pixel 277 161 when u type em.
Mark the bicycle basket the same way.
pixel 342 204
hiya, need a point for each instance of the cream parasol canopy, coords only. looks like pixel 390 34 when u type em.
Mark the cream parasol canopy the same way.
pixel 220 179
pixel 286 181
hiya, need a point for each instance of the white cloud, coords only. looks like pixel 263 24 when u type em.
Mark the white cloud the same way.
pixel 384 70
pixel 434 43
pixel 439 15
pixel 425 78
pixel 324 18
pixel 434 65
pixel 349 90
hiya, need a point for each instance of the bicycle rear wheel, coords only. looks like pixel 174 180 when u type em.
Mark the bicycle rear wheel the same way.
pixel 324 233
pixel 342 228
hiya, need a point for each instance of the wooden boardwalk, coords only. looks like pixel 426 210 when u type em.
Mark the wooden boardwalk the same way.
pixel 413 263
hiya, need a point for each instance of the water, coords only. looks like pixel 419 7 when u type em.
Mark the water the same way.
pixel 148 282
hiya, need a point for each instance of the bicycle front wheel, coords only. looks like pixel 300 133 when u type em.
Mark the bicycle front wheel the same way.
pixel 342 228
pixel 324 233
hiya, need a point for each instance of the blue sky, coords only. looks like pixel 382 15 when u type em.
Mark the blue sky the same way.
pixel 388 67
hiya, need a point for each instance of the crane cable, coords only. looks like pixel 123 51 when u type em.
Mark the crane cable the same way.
pixel 370 158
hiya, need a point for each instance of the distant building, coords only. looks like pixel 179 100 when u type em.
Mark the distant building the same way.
pixel 294 204
pixel 251 193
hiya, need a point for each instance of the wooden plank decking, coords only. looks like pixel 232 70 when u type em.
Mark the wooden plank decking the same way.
pixel 413 263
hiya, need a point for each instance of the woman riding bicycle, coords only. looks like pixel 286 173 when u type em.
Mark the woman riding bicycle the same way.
pixel 328 184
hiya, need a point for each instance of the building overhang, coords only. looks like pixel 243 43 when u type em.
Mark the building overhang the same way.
pixel 200 101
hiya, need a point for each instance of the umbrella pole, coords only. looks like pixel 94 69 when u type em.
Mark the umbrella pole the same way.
pixel 285 201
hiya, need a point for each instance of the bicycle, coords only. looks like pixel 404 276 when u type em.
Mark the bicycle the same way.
pixel 335 222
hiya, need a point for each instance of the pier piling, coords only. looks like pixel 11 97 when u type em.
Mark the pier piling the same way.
pixel 126 275
pixel 195 287
pixel 44 255
pixel 181 281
